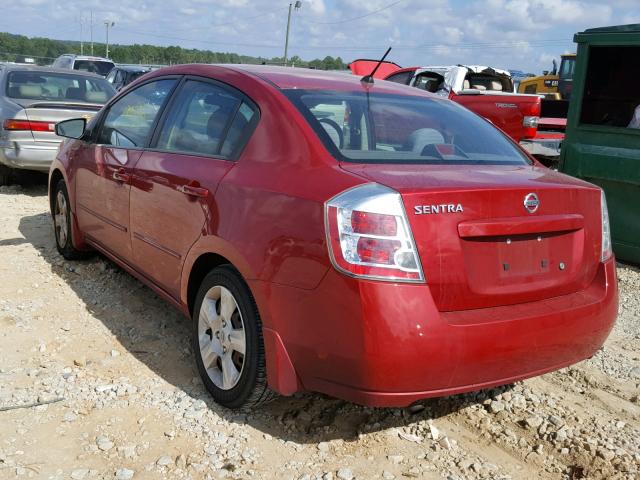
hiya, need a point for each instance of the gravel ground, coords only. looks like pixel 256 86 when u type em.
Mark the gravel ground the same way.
pixel 116 364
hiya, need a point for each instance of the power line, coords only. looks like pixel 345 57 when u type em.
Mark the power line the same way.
pixel 361 16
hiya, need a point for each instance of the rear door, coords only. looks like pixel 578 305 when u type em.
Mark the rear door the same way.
pixel 172 199
pixel 104 167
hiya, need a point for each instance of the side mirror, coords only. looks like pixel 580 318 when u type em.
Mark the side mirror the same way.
pixel 73 128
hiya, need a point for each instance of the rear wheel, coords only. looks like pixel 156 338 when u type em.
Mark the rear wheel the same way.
pixel 227 341
pixel 6 175
pixel 62 224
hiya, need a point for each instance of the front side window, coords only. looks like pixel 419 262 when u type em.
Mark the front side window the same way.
pixel 128 122
pixel 611 97
pixel 199 120
pixel 46 86
pixel 387 128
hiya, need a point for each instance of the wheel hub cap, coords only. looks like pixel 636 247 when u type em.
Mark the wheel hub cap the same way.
pixel 221 338
pixel 60 219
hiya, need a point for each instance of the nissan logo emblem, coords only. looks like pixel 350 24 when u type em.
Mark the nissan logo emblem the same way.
pixel 531 202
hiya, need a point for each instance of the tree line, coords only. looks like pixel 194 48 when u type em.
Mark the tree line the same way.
pixel 16 48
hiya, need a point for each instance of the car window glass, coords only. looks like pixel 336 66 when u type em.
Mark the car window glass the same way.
pixel 128 122
pixel 43 85
pixel 238 127
pixel 197 122
pixel 388 128
pixel 402 77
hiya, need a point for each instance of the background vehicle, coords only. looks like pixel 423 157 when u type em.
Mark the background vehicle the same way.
pixel 32 100
pixel 423 238
pixel 98 65
pixel 122 75
pixel 599 145
pixel 553 82
pixel 483 90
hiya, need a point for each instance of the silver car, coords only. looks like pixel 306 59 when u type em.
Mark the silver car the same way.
pixel 32 101
pixel 84 63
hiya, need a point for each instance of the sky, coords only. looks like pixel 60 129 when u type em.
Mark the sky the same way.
pixel 512 34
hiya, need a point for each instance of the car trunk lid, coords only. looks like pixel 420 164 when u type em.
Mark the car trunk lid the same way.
pixel 480 246
pixel 44 115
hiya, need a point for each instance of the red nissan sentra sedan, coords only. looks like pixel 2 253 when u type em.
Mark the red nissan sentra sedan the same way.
pixel 371 242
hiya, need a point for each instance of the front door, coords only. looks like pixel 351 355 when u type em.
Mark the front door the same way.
pixel 104 166
pixel 172 199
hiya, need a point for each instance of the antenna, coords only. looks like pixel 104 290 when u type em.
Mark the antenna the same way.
pixel 369 78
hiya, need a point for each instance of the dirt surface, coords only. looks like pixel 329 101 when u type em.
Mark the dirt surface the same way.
pixel 115 360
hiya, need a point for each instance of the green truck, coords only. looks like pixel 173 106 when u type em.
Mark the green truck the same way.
pixel 602 143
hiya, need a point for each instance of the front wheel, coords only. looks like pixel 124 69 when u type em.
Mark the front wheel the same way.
pixel 227 341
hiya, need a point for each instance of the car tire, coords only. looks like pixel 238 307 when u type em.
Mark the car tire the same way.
pixel 6 175
pixel 227 341
pixel 61 212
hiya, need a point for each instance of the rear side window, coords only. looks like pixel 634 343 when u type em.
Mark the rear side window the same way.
pixel 388 128
pixel 94 66
pixel 34 85
pixel 128 122
pixel 204 119
pixel 402 77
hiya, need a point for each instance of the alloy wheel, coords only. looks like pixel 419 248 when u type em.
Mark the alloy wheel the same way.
pixel 60 219
pixel 221 337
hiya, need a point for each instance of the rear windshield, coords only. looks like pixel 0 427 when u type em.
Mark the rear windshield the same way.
pixel 386 128
pixel 31 85
pixel 94 66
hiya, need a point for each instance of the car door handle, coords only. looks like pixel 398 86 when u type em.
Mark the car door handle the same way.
pixel 193 191
pixel 121 176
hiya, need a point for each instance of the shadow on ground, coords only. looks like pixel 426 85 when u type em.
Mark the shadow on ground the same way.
pixel 158 337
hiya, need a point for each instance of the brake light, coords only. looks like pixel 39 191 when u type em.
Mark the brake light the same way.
pixel 15 125
pixel 606 230
pixel 368 235
pixel 530 119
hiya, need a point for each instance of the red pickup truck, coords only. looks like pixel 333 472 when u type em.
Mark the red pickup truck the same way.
pixel 483 90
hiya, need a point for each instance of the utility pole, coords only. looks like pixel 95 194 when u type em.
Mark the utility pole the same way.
pixel 297 5
pixel 81 33
pixel 91 30
pixel 108 24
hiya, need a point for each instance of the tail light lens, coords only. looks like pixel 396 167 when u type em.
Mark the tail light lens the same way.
pixel 368 235
pixel 12 124
pixel 606 231
pixel 530 119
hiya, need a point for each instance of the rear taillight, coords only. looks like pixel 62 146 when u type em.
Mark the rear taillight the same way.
pixel 530 119
pixel 606 231
pixel 28 125
pixel 368 235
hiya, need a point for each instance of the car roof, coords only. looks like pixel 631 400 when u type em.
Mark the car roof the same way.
pixel 133 68
pixel 38 68
pixel 87 57
pixel 285 78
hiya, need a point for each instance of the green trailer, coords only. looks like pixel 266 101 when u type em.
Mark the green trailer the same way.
pixel 602 143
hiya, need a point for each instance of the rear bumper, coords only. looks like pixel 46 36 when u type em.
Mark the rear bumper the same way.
pixel 380 344
pixel 29 156
pixel 546 147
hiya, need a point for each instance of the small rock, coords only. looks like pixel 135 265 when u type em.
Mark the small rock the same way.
pixel 70 417
pixel 387 475
pixel 164 460
pixel 608 455
pixel 115 353
pixel 80 362
pixel 409 437
pixel 345 474
pixel 557 421
pixel 104 443
pixel 496 406
pixel 635 372
pixel 181 462
pixel 124 474
pixel 534 422
pixel 323 446
pixel 80 473
pixel 435 433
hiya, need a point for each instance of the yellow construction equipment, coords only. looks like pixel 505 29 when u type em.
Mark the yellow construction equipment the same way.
pixel 554 85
